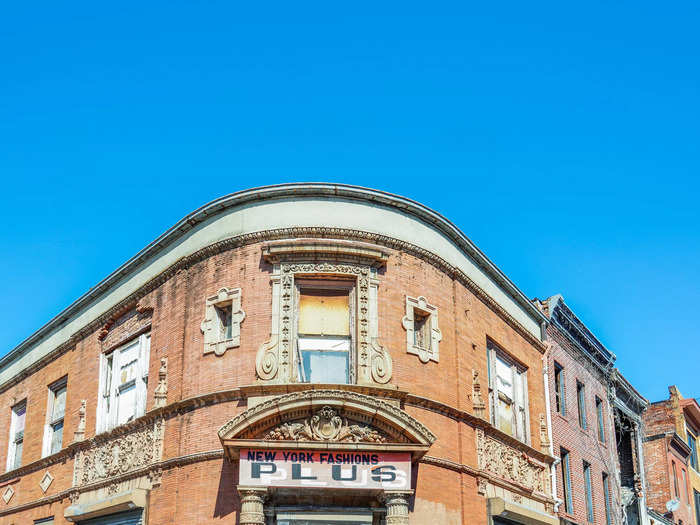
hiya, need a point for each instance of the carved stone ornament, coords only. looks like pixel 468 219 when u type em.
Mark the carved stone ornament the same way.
pixel 275 359
pixel 79 434
pixel 478 404
pixel 7 495
pixel 544 435
pixel 325 425
pixel 429 348
pixel 160 394
pixel 252 506
pixel 45 482
pixel 216 338
pixel 119 454
pixel 509 464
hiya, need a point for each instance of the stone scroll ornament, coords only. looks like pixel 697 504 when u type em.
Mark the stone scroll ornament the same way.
pixel 275 357
pixel 325 425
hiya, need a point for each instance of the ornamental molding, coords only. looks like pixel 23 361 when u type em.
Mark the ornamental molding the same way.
pixel 119 455
pixel 325 425
pixel 509 464
pixel 214 340
pixel 327 415
pixel 274 361
pixel 430 350
pixel 45 482
pixel 79 433
pixel 186 262
pixel 160 394
pixel 310 249
pixel 7 495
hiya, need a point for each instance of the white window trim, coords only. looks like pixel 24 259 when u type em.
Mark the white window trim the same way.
pixel 48 425
pixel 13 429
pixel 520 394
pixel 421 305
pixel 108 421
pixel 213 343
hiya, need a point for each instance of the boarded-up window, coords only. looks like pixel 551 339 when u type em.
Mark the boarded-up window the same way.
pixel 324 312
pixel 324 334
pixel 508 394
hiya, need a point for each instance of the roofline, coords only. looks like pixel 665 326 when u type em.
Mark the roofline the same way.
pixel 280 191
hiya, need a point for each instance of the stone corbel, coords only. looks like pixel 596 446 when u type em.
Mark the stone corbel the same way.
pixel 210 326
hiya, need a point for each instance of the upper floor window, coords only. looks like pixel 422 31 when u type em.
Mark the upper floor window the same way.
pixel 508 394
pixel 324 338
pixel 221 325
pixel 693 444
pixel 606 496
pixel 123 381
pixel 676 492
pixel 601 419
pixel 581 396
pixel 559 388
pixel 55 413
pixel 589 491
pixel 14 453
pixel 423 334
pixel 566 481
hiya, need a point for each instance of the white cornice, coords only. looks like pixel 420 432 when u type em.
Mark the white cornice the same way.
pixel 179 239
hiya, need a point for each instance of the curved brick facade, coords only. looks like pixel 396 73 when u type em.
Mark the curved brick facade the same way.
pixel 172 462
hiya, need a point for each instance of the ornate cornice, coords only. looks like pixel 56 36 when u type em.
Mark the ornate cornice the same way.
pixel 251 238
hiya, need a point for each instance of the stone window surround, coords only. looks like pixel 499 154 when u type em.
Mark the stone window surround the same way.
pixel 210 324
pixel 309 258
pixel 420 304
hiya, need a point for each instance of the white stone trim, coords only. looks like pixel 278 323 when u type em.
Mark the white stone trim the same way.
pixel 210 324
pixel 46 481
pixel 421 304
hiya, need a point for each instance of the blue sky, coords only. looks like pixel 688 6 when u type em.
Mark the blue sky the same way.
pixel 562 139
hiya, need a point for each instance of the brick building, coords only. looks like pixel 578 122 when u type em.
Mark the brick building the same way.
pixel 579 369
pixel 671 457
pixel 290 355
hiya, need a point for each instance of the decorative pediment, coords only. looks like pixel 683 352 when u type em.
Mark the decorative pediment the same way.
pixel 337 418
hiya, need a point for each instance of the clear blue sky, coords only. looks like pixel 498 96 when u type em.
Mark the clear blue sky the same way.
pixel 562 139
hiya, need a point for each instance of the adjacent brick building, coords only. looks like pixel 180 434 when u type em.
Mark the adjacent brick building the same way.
pixel 671 456
pixel 296 354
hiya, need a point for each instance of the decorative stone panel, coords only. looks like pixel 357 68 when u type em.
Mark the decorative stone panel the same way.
pixel 510 464
pixel 120 454
pixel 7 495
pixel 45 482
pixel 275 359
pixel 214 338
pixel 429 350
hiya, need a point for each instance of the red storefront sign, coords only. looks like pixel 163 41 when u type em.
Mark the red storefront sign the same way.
pixel 313 468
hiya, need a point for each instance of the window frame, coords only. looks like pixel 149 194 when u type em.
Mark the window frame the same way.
pixel 12 462
pixel 581 402
pixel 600 416
pixel 341 283
pixel 109 390
pixel 606 496
pixel 566 480
pixel 588 486
pixel 693 444
pixel 52 421
pixel 520 401
pixel 560 388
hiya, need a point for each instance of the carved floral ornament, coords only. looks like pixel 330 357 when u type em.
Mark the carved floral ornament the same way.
pixel 326 415
pixel 275 359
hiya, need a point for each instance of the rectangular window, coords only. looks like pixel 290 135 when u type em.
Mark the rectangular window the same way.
pixel 55 413
pixel 696 496
pixel 685 485
pixel 566 481
pixel 559 388
pixel 601 419
pixel 324 339
pixel 581 396
pixel 421 329
pixel 508 394
pixel 123 381
pixel 224 315
pixel 589 491
pixel 14 454
pixel 675 479
pixel 606 496
pixel 693 444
